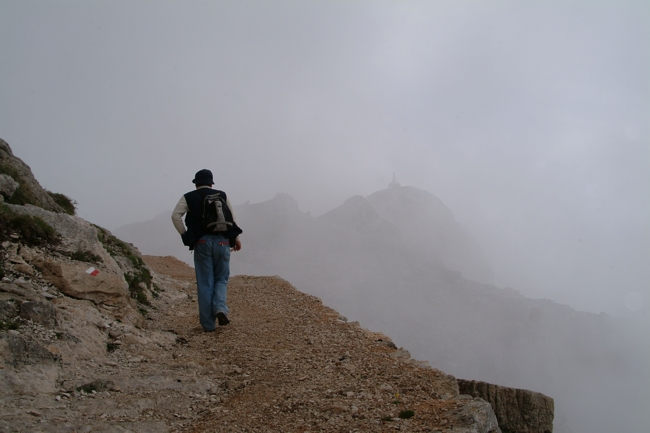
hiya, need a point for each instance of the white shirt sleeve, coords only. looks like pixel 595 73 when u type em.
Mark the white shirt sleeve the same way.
pixel 177 215
pixel 232 212
pixel 232 209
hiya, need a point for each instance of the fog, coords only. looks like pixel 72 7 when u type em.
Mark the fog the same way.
pixel 398 262
pixel 529 121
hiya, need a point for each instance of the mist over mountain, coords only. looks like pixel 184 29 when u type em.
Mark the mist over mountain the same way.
pixel 397 261
pixel 429 227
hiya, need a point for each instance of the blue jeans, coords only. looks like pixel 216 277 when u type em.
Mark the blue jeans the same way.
pixel 212 266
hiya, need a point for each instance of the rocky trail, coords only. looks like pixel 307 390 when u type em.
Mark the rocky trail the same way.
pixel 286 363
pixel 95 337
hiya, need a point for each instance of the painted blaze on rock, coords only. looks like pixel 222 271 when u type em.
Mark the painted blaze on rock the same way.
pixel 73 280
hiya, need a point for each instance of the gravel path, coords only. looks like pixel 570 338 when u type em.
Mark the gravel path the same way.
pixel 286 363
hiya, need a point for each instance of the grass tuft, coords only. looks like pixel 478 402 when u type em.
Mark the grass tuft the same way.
pixel 67 204
pixel 8 325
pixel 137 280
pixel 86 256
pixel 31 229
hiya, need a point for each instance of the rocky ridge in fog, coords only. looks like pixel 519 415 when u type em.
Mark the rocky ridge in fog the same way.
pixel 379 273
pixel 90 336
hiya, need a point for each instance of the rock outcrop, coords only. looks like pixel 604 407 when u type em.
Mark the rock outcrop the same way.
pixel 63 282
pixel 8 186
pixel 517 410
pixel 31 192
pixel 72 279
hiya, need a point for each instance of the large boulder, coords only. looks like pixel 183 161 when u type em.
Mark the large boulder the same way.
pixel 475 416
pixel 87 246
pixel 72 279
pixel 77 234
pixel 517 410
pixel 29 190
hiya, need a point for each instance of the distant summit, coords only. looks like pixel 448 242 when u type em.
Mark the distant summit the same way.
pixel 394 183
pixel 357 213
pixel 429 227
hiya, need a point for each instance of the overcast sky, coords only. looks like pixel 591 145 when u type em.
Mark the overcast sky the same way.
pixel 530 120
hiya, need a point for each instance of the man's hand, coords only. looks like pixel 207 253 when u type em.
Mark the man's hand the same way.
pixel 237 245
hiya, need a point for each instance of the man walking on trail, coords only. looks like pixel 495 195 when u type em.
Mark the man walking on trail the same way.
pixel 211 236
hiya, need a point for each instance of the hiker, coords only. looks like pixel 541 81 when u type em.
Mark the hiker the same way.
pixel 212 234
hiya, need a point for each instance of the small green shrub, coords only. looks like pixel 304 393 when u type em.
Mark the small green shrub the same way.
pixel 23 196
pixel 87 389
pixel 96 386
pixel 111 347
pixel 116 247
pixel 69 205
pixel 135 288
pixel 33 230
pixel 406 414
pixel 8 325
pixel 86 256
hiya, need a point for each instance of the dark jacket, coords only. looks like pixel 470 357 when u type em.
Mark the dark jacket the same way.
pixel 193 217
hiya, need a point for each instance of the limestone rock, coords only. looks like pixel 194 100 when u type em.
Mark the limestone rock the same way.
pixel 22 174
pixel 163 338
pixel 42 313
pixel 71 279
pixel 14 289
pixel 77 234
pixel 82 329
pixel 7 186
pixel 24 268
pixel 9 309
pixel 19 351
pixel 29 380
pixel 517 410
pixel 5 353
pixel 475 416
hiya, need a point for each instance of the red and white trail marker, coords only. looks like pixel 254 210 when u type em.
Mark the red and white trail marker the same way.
pixel 92 271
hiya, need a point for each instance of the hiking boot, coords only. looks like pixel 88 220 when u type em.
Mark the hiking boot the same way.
pixel 222 318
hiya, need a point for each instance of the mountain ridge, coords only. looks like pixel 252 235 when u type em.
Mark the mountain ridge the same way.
pixel 96 337
pixel 468 328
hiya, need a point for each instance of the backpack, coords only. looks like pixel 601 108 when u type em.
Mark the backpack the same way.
pixel 208 214
pixel 217 217
pixel 213 219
